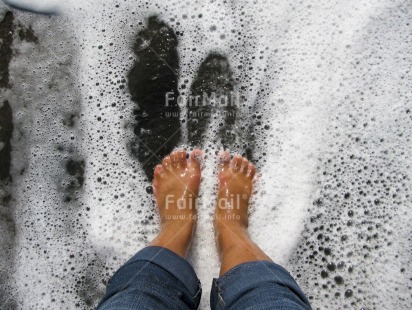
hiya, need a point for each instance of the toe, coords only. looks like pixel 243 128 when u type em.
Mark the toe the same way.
pixel 244 166
pixel 181 158
pixel 167 163
pixel 174 157
pixel 196 158
pixel 251 170
pixel 224 159
pixel 236 163
pixel 158 171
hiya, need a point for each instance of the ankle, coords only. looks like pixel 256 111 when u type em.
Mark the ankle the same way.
pixel 178 226
pixel 229 233
pixel 230 224
pixel 176 236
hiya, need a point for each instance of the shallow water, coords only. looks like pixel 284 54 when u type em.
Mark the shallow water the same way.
pixel 325 113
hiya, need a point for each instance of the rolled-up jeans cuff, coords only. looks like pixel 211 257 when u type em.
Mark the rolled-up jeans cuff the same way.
pixel 176 265
pixel 154 276
pixel 244 282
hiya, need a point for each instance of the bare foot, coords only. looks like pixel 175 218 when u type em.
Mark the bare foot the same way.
pixel 176 186
pixel 231 213
pixel 235 190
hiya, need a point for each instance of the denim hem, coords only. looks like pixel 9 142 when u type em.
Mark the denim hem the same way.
pixel 250 275
pixel 176 265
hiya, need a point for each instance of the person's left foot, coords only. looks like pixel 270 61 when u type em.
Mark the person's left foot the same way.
pixel 176 186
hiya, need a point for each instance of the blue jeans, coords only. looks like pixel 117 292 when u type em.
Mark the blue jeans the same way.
pixel 157 278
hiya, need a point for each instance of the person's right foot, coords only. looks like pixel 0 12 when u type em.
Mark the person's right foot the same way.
pixel 235 190
pixel 231 214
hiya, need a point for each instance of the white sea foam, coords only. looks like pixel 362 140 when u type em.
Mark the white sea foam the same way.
pixel 330 81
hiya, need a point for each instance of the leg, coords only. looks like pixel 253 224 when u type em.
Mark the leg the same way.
pixel 159 277
pixel 248 277
pixel 176 186
pixel 231 218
